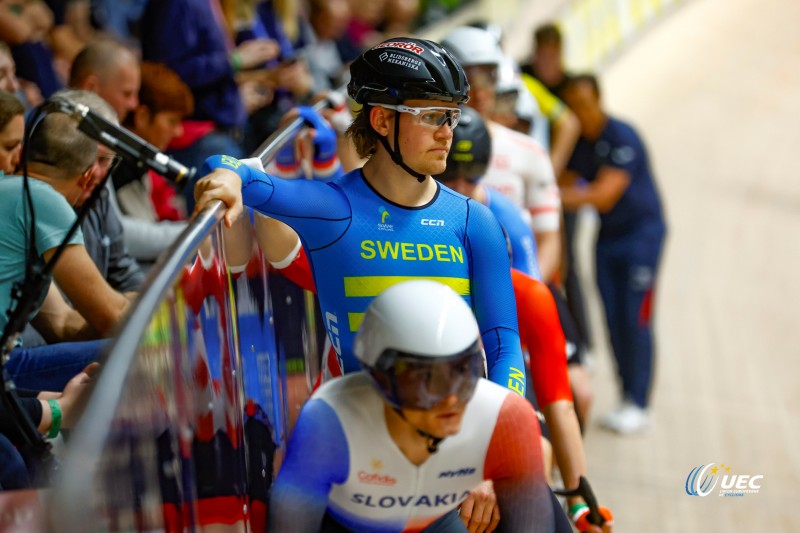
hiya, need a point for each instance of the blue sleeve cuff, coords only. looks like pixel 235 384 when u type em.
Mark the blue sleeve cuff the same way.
pixel 257 186
pixel 227 162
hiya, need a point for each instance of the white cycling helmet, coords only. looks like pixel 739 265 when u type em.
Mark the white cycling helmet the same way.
pixel 508 77
pixel 420 343
pixel 473 46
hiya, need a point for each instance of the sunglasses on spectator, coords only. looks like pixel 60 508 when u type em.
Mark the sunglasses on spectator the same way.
pixel 429 116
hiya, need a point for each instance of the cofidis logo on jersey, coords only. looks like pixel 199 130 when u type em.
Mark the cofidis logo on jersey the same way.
pixel 376 478
pixel 384 224
pixel 703 479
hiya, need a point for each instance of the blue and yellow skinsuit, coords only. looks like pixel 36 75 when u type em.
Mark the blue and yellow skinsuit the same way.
pixel 360 243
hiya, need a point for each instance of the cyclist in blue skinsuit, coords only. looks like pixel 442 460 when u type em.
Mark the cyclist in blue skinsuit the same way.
pixel 390 221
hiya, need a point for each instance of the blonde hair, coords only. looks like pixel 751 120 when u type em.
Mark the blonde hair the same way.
pixel 364 137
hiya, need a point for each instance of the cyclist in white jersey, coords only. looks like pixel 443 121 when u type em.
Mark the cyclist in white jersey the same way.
pixel 397 447
pixel 520 166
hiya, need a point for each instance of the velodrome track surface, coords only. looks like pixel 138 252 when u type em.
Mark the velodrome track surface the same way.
pixel 715 91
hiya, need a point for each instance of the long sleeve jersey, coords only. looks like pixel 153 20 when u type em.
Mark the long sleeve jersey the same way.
pixel 360 243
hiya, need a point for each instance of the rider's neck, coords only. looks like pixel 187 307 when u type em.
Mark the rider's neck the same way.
pixel 411 444
pixel 395 184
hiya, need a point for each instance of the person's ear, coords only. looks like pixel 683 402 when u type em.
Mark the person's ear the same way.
pixel 86 179
pixel 90 83
pixel 379 119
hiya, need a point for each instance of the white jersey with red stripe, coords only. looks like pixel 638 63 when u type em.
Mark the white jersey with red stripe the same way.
pixel 521 170
pixel 342 461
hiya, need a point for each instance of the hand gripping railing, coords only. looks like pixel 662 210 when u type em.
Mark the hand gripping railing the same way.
pixel 152 356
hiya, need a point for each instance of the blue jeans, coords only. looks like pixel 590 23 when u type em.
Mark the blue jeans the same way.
pixel 13 471
pixel 50 367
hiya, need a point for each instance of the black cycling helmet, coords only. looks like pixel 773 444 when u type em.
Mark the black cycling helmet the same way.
pixel 403 69
pixel 471 149
pixel 407 69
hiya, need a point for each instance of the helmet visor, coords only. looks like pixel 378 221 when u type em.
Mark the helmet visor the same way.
pixel 422 382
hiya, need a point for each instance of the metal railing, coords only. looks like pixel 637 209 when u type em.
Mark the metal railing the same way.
pixel 170 402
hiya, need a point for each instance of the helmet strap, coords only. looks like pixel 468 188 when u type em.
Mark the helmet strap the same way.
pixel 395 154
pixel 431 441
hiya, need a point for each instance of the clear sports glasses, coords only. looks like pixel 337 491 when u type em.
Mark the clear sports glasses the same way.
pixel 429 116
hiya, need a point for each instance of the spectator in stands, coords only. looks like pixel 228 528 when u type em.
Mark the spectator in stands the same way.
pixel 61 161
pixel 71 32
pixel 202 53
pixel 610 171
pixel 399 17
pixel 329 52
pixel 112 71
pixel 102 228
pixel 12 130
pixel 8 70
pixel 363 28
pixel 117 17
pixel 288 74
pixel 256 87
pixel 25 26
pixel 28 92
pixel 50 412
pixel 164 101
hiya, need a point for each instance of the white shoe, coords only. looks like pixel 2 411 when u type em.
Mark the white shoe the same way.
pixel 627 420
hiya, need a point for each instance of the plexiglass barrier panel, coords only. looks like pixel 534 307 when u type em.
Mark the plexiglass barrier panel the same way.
pixel 203 416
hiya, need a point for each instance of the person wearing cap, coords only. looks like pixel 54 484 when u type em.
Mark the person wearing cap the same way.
pixel 520 168
pixel 398 445
pixel 389 221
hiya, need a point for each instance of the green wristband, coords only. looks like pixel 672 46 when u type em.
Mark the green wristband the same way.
pixel 236 61
pixel 55 423
pixel 577 507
